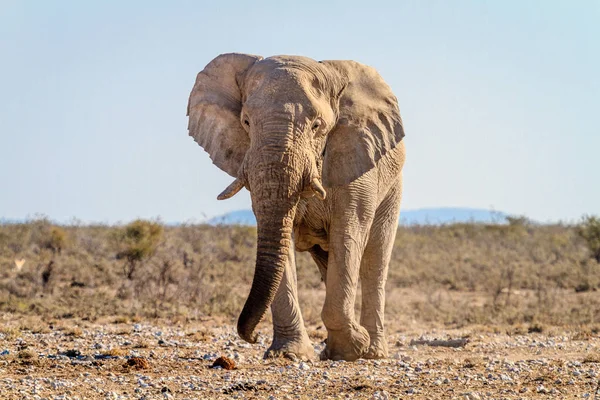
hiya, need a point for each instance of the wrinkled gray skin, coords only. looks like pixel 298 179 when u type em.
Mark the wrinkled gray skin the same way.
pixel 319 146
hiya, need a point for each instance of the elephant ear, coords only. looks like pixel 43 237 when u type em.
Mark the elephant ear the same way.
pixel 214 110
pixel 369 124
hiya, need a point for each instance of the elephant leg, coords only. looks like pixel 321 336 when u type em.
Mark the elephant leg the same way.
pixel 374 269
pixel 354 207
pixel 289 334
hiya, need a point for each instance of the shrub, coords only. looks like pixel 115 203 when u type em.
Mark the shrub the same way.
pixel 56 240
pixel 454 274
pixel 589 230
pixel 138 241
pixel 518 220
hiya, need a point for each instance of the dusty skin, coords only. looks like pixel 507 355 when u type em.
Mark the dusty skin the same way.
pixel 319 146
pixel 71 358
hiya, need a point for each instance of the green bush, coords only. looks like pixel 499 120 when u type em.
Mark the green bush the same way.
pixel 589 230
pixel 138 241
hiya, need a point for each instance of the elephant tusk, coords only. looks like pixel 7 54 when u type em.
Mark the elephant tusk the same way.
pixel 232 189
pixel 316 186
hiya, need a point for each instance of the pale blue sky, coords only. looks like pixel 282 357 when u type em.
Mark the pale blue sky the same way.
pixel 500 99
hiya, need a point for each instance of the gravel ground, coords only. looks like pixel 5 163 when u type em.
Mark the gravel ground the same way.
pixel 161 360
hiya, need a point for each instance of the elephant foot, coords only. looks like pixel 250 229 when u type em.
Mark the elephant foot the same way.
pixel 293 349
pixel 347 344
pixel 378 348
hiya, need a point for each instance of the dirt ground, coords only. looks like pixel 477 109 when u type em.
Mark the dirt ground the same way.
pixel 122 359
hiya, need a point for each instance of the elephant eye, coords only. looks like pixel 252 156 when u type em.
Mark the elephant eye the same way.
pixel 246 122
pixel 316 125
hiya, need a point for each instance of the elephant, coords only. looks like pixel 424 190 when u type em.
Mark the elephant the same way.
pixel 319 146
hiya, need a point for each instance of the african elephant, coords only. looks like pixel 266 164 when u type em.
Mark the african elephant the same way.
pixel 319 146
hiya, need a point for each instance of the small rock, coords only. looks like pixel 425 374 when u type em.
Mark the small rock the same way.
pixel 72 353
pixel 304 366
pixel 381 395
pixel 541 389
pixel 224 362
pixel 137 363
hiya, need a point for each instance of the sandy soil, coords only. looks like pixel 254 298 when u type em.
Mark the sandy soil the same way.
pixel 79 359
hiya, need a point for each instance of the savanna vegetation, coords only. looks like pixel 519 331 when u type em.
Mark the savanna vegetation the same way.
pixel 518 273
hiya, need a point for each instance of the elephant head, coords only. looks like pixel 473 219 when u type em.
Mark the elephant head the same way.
pixel 284 127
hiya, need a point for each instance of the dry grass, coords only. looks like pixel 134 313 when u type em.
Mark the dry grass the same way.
pixel 115 352
pixel 26 354
pixel 123 331
pixel 142 344
pixel 9 332
pixel 199 336
pixel 472 362
pixel 74 331
pixel 524 276
pixel 591 358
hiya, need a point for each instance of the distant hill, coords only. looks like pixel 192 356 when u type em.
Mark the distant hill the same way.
pixel 240 217
pixel 424 216
pixel 438 216
pixel 9 221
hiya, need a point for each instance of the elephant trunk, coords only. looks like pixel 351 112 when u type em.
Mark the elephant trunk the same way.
pixel 274 226
pixel 276 185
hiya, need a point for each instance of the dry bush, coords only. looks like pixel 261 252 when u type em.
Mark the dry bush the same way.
pixel 518 273
pixel 56 241
pixel 74 331
pixel 589 230
pixel 26 354
pixel 137 242
pixel 115 352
